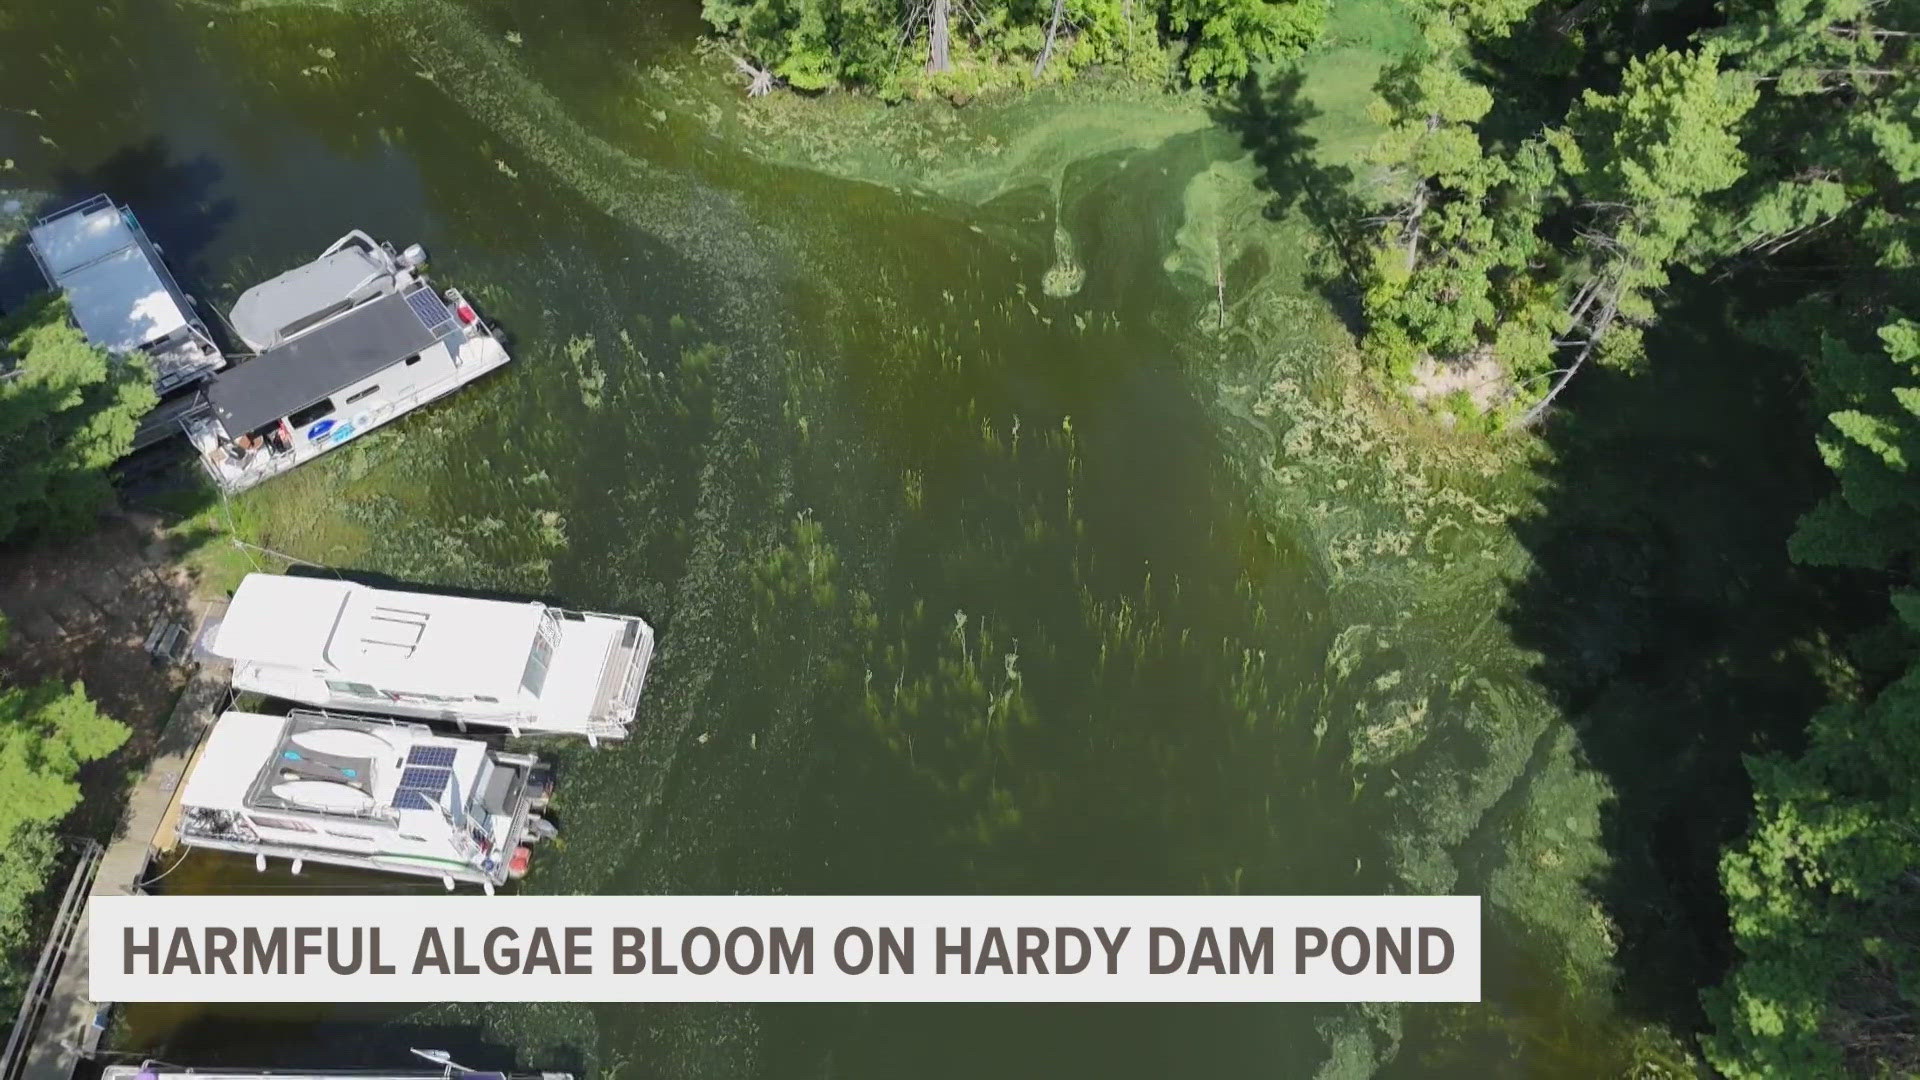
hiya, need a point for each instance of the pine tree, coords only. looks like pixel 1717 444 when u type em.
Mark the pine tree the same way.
pixel 1454 267
pixel 1835 135
pixel 1641 162
pixel 1823 896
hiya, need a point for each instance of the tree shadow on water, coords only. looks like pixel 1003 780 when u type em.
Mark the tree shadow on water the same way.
pixel 174 199
pixel 1271 118
pixel 1672 629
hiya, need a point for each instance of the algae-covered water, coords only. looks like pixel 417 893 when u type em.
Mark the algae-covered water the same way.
pixel 989 476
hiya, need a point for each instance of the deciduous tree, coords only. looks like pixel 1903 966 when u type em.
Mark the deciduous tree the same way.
pixel 67 412
pixel 46 733
pixel 1225 38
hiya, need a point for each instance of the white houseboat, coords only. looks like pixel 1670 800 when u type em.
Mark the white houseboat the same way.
pixel 346 343
pixel 526 667
pixel 366 793
pixel 120 292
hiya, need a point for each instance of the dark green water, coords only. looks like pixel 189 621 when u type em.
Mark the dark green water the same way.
pixel 954 588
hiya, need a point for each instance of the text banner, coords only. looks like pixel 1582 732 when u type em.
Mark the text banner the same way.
pixel 785 948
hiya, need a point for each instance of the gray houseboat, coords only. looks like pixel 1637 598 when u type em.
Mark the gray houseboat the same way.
pixel 346 343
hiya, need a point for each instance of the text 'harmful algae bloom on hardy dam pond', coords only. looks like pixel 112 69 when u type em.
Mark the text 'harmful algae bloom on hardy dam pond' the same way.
pixel 776 950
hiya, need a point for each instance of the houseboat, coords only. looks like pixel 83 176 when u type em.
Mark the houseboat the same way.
pixel 526 667
pixel 366 793
pixel 345 343
pixel 120 292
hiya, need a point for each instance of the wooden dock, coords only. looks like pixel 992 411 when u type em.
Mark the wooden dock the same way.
pixel 70 1023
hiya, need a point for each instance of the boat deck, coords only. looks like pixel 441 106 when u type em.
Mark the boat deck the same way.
pixel 617 700
pixel 164 422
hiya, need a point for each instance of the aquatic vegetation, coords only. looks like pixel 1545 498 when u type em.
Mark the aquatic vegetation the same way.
pixel 1444 731
pixel 978 155
pixel 593 381
pixel 804 567
pixel 955 589
pixel 913 487
pixel 1065 276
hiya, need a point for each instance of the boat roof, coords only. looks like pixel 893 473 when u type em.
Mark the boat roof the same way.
pixel 398 641
pixel 272 311
pixel 281 621
pixel 363 342
pixel 230 758
pixel 113 287
pixel 386 768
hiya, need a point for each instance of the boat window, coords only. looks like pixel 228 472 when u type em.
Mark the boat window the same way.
pixel 487 698
pixel 412 360
pixel 323 407
pixel 535 677
pixel 363 393
pixel 357 689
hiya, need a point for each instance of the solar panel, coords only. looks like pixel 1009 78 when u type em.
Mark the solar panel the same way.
pixel 423 779
pixel 429 308
pixel 411 800
pixel 439 757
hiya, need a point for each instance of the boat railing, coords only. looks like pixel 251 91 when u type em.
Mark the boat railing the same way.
pixel 412 727
pixel 80 207
pixel 185 363
pixel 385 815
pixel 621 708
pixel 98 202
pixel 502 852
pixel 87 206
pixel 256 466
pixel 215 824
pixel 160 267
pixel 262 464
pixel 353 236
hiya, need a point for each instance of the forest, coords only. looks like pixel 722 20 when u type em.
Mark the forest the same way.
pixel 1551 176
pixel 959 49
pixel 1558 167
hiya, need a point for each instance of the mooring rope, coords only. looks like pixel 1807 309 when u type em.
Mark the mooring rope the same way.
pixel 247 548
pixel 176 865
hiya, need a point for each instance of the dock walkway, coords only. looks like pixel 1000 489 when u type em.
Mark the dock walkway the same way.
pixel 71 1024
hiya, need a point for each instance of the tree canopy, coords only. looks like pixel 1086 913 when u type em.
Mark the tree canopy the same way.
pixel 1549 167
pixel 1824 896
pixel 47 732
pixel 959 46
pixel 67 412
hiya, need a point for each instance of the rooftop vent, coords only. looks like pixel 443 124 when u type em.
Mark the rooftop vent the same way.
pixel 395 631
